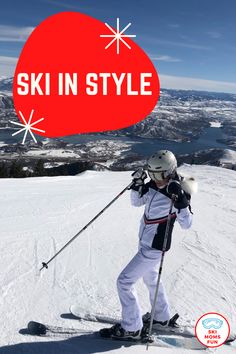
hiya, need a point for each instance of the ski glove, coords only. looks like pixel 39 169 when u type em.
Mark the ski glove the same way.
pixel 174 188
pixel 138 179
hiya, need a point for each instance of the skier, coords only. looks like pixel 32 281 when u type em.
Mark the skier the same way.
pixel 156 196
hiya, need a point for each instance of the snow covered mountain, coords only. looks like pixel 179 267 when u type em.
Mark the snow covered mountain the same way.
pixel 183 115
pixel 180 115
pixel 6 84
pixel 6 102
pixel 39 215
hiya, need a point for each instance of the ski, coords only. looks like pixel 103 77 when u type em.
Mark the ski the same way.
pixel 165 341
pixel 81 314
pixel 186 331
pixel 160 340
pixel 39 329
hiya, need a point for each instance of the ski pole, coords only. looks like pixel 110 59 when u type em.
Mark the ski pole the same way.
pixel 173 198
pixel 45 264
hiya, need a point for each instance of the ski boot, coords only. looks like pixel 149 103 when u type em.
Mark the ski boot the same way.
pixel 171 324
pixel 117 332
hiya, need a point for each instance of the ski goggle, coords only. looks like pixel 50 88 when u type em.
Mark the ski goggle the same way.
pixel 212 323
pixel 157 176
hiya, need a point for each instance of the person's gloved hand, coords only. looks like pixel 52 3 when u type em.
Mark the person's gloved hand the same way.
pixel 139 177
pixel 174 189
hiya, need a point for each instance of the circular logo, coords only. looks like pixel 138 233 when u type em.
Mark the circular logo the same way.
pixel 212 329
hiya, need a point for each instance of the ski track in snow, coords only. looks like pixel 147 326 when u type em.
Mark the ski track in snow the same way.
pixel 39 215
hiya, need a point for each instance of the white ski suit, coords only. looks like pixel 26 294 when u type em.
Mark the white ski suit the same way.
pixel 146 262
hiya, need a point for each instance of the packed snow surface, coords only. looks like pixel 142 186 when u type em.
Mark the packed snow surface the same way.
pixel 229 156
pixel 39 215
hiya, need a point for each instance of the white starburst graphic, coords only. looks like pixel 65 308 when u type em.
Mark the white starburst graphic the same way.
pixel 28 127
pixel 118 36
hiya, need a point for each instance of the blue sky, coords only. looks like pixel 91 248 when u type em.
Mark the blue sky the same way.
pixel 191 42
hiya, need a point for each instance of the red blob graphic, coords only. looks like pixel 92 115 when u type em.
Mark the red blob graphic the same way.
pixel 67 77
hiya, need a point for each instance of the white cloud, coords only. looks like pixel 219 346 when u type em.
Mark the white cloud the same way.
pixel 67 6
pixel 166 58
pixel 188 83
pixel 214 34
pixel 7 66
pixel 7 60
pixel 62 4
pixel 184 43
pixel 174 25
pixel 14 34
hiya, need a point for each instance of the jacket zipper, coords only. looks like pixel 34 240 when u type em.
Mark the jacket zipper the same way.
pixel 148 214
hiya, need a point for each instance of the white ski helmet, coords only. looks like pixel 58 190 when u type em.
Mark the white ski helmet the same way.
pixel 161 165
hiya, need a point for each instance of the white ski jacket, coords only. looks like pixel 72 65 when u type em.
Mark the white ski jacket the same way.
pixel 153 223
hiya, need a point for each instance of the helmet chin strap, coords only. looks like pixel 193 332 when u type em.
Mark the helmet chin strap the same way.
pixel 164 181
pixel 162 186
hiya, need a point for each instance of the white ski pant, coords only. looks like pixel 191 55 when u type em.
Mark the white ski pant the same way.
pixel 144 264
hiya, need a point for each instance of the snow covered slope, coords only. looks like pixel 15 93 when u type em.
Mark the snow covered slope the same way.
pixel 39 215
